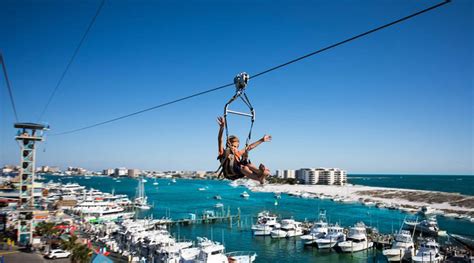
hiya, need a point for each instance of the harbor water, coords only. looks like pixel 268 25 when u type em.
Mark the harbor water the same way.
pixel 178 200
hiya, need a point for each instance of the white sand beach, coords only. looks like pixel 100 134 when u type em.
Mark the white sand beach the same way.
pixel 408 200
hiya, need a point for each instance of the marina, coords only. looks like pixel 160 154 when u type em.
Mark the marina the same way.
pixel 240 226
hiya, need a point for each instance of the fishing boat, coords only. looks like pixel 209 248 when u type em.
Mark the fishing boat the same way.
pixel 428 225
pixel 318 230
pixel 241 256
pixel 289 228
pixel 266 222
pixel 356 239
pixel 402 247
pixel 428 253
pixel 335 235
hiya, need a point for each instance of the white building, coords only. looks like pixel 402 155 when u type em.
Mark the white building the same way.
pixel 325 176
pixel 108 171
pixel 133 173
pixel 121 171
pixel 285 174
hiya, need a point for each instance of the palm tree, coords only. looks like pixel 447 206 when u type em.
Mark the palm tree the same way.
pixel 46 230
pixel 70 244
pixel 81 254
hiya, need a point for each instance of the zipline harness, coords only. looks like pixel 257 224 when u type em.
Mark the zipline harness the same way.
pixel 228 159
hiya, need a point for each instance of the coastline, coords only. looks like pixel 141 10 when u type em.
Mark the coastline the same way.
pixel 408 200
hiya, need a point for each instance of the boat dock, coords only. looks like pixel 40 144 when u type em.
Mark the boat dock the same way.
pixel 207 217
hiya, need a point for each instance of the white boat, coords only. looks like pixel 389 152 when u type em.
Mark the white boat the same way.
pixel 318 230
pixel 207 252
pixel 335 235
pixel 289 228
pixel 217 197
pixel 155 182
pixel 141 201
pixel 201 189
pixel 266 222
pixel 241 256
pixel 428 226
pixel 219 205
pixel 173 180
pixel 244 194
pixel 402 247
pixel 428 253
pixel 144 180
pixel 356 239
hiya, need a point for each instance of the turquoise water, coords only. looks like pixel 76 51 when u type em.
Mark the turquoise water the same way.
pixel 462 184
pixel 180 199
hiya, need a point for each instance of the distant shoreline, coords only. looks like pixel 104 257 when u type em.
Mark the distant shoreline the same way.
pixel 408 200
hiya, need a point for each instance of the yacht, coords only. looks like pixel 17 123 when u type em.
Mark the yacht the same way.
pixel 335 235
pixel 244 195
pixel 428 253
pixel 207 252
pixel 266 222
pixel 289 228
pixel 141 201
pixel 241 257
pixel 402 247
pixel 318 230
pixel 428 225
pixel 356 239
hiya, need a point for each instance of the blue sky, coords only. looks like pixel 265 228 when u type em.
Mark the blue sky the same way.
pixel 397 101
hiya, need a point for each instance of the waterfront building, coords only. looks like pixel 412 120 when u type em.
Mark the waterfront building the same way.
pixel 121 171
pixel 108 171
pixel 133 173
pixel 76 171
pixel 324 176
pixel 285 174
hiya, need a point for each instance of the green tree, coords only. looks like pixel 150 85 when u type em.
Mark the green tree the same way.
pixel 46 230
pixel 81 254
pixel 70 244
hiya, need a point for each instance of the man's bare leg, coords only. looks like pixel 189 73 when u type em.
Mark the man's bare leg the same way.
pixel 250 174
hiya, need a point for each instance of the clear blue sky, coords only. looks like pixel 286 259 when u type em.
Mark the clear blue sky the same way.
pixel 397 101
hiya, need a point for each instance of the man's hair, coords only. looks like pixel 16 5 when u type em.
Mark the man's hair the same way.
pixel 232 138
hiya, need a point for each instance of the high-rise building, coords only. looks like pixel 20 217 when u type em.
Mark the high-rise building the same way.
pixel 133 173
pixel 121 171
pixel 285 174
pixel 325 176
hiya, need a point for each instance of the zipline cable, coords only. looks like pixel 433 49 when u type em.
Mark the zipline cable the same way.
pixel 71 60
pixel 350 39
pixel 265 71
pixel 145 110
pixel 10 92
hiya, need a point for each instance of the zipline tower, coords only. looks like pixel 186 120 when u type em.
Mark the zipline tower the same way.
pixel 27 136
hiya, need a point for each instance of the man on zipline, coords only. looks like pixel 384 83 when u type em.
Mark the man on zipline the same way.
pixel 241 168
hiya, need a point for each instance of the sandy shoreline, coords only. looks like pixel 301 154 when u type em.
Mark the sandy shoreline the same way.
pixel 448 204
